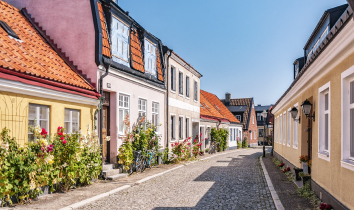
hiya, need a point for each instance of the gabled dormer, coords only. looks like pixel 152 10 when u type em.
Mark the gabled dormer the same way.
pixel 298 64
pixel 327 21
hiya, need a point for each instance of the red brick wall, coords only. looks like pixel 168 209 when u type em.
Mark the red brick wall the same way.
pixel 252 127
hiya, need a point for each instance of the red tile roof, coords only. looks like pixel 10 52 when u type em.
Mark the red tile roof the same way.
pixel 158 61
pixel 32 55
pixel 105 43
pixel 207 109
pixel 219 107
pixel 243 102
pixel 135 49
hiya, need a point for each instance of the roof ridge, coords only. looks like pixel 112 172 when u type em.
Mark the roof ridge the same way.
pixel 59 51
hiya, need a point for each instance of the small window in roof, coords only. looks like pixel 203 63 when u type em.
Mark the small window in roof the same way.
pixel 8 29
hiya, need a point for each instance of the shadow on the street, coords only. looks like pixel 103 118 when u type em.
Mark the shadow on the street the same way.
pixel 233 188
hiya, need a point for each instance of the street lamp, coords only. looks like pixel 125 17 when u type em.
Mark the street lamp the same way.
pixel 306 108
pixel 264 115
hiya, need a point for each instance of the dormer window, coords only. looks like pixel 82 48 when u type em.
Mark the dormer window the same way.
pixel 120 42
pixel 8 30
pixel 150 57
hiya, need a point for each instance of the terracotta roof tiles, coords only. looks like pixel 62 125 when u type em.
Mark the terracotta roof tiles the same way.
pixel 135 48
pixel 105 41
pixel 158 61
pixel 207 108
pixel 32 55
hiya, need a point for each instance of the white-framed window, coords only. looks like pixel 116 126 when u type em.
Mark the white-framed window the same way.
pixel 195 90
pixel 187 127
pixel 187 86
pixel 261 132
pixel 180 128
pixel 347 137
pixel 142 107
pixel 284 128
pixel 296 129
pixel 37 115
pixel 230 134
pixel 124 101
pixel 173 127
pixel 251 135
pixel 234 134
pixel 259 117
pixel 238 117
pixel 155 114
pixel 72 120
pixel 173 78
pixel 280 129
pixel 324 126
pixel 120 41
pixel 288 131
pixel 150 57
pixel 180 83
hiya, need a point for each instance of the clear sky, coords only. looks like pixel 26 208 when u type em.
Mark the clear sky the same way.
pixel 245 47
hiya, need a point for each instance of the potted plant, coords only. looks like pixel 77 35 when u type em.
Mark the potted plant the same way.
pixel 325 206
pixel 305 177
pixel 304 160
pixel 297 171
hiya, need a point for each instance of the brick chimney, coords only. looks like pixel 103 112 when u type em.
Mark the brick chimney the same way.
pixel 227 99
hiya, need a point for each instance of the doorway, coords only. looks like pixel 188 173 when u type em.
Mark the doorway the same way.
pixel 106 126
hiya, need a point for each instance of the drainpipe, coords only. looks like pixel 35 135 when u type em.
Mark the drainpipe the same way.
pixel 167 68
pixel 101 112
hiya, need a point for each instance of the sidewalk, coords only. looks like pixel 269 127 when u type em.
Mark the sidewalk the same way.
pixel 61 200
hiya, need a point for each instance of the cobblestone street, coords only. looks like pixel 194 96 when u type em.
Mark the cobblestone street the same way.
pixel 228 181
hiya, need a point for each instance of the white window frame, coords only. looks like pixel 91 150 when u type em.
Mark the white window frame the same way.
pixel 288 132
pixel 322 91
pixel 118 46
pixel 187 125
pixel 296 129
pixel 173 127
pixel 188 87
pixel 346 78
pixel 37 118
pixel 195 90
pixel 180 128
pixel 180 83
pixel 123 108
pixel 284 128
pixel 280 129
pixel 173 79
pixel 238 117
pixel 71 111
pixel 155 112
pixel 259 117
pixel 230 134
pixel 140 110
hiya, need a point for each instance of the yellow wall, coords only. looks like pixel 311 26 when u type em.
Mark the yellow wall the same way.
pixel 331 176
pixel 14 114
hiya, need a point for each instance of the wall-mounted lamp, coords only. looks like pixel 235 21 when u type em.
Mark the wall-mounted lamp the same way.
pixel 306 108
pixel 294 112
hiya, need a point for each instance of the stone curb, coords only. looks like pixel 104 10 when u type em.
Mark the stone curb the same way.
pixel 97 197
pixel 274 194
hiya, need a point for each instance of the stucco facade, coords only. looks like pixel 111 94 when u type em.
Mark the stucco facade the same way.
pixel 183 111
pixel 333 170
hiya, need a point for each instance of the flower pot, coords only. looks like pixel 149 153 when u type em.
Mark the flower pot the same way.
pixel 305 179
pixel 297 171
pixel 305 167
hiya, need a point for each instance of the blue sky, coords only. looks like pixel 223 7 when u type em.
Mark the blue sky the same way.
pixel 244 47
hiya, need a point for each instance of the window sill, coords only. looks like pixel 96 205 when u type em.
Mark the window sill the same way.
pixel 348 164
pixel 295 146
pixel 173 91
pixel 173 140
pixel 187 98
pixel 181 95
pixel 324 156
pixel 288 145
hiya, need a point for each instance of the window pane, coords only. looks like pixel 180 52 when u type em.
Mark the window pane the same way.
pixel 43 113
pixel 352 133
pixel 326 132
pixel 75 121
pixel 121 118
pixel 326 102
pixel 32 112
pixel 352 92
pixel 67 115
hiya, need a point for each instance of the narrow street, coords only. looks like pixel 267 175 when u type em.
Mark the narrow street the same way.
pixel 228 181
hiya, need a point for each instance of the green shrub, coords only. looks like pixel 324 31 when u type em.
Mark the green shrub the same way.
pixel 219 136
pixel 244 143
pixel 207 150
pixel 239 144
pixel 165 159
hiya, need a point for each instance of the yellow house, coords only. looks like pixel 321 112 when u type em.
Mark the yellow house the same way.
pixel 38 84
pixel 324 79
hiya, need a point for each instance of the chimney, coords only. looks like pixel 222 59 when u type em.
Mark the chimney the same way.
pixel 259 105
pixel 227 99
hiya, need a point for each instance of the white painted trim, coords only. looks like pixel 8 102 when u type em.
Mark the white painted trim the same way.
pixel 347 164
pixel 325 62
pixel 26 89
pixel 324 88
pixel 183 105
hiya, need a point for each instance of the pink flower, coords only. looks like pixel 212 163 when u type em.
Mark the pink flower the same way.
pixel 189 143
pixel 171 145
pixel 64 142
pixel 200 134
pixel 60 133
pixel 182 150
pixel 62 138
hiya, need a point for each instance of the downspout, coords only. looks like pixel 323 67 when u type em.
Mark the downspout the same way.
pixel 101 112
pixel 167 68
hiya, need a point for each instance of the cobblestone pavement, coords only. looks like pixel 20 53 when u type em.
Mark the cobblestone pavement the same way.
pixel 229 181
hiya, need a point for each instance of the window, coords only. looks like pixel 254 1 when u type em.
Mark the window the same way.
pixel 253 119
pixel 187 86
pixel 255 133
pixel 123 111
pixel 150 57
pixel 238 117
pixel 72 120
pixel 318 42
pixel 251 135
pixel 295 129
pixel 234 134
pixel 289 128
pixel 230 134
pixel 180 127
pixel 173 78
pixel 180 83
pixel 280 129
pixel 284 128
pixel 120 41
pixel 142 107
pixel 237 134
pixel 187 127
pixel 155 114
pixel 296 72
pixel 173 124
pixel 195 91
pixel 260 132
pixel 259 117
pixel 324 121
pixel 37 115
